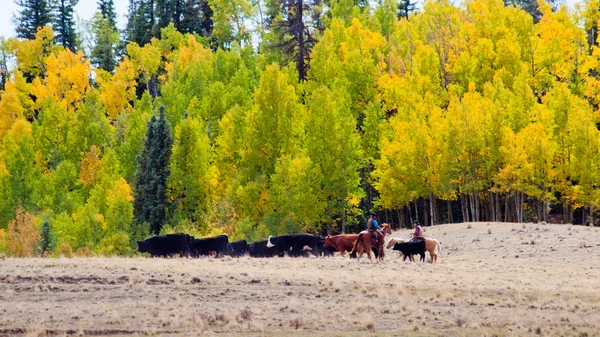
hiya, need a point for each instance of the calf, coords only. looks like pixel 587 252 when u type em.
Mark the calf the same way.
pixel 237 248
pixel 204 246
pixel 411 248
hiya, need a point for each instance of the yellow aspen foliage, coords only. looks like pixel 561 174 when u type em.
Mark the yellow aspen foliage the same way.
pixel 31 54
pixel 122 191
pixel 67 79
pixel 190 53
pixel 91 167
pixel 558 47
pixel 147 59
pixel 15 102
pixel 117 90
pixel 22 235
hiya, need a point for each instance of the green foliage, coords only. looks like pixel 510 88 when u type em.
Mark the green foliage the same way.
pixel 115 244
pixel 475 103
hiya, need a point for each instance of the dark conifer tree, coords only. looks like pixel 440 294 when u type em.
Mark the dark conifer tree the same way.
pixel 141 21
pixel 193 18
pixel 405 7
pixel 64 23
pixel 295 37
pixel 35 14
pixel 150 202
pixel 107 9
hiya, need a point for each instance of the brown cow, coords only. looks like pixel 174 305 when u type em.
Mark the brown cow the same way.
pixel 343 242
pixel 366 241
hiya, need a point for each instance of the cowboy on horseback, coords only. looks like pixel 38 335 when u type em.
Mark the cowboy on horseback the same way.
pixel 418 234
pixel 373 227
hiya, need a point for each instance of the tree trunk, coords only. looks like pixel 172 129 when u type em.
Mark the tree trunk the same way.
pixel 400 217
pixel 477 207
pixel 498 207
pixel 506 207
pixel 450 211
pixel 425 213
pixel 410 213
pixel 464 207
pixel 416 210
pixel 343 221
pixel 432 208
pixel 491 208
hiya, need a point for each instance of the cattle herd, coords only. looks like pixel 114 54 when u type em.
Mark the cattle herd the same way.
pixel 293 245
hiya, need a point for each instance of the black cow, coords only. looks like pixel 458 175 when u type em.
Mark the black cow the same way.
pixel 260 249
pixel 166 245
pixel 411 248
pixel 295 244
pixel 321 250
pixel 237 248
pixel 204 246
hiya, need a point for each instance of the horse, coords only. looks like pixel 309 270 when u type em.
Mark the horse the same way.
pixel 342 243
pixel 394 241
pixel 430 246
pixel 366 241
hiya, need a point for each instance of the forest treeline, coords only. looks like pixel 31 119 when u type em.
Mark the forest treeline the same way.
pixel 263 118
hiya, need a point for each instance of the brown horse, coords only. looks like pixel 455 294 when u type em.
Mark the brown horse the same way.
pixel 343 242
pixel 430 246
pixel 366 241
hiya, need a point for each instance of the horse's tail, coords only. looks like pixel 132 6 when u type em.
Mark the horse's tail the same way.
pixel 438 246
pixel 355 245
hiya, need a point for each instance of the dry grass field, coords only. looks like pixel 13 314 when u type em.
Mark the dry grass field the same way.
pixel 490 279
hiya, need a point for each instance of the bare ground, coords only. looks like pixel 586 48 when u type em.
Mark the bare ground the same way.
pixel 490 279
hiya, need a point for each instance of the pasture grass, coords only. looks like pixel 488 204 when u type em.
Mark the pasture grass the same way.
pixel 489 280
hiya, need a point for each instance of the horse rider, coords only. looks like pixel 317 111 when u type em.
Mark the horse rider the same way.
pixel 373 227
pixel 418 234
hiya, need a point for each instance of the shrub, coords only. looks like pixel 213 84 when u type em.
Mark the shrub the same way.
pixel 2 240
pixel 63 249
pixel 22 235
pixel 115 244
pixel 84 252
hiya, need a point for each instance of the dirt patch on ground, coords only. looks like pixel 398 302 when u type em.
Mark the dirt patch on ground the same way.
pixel 490 279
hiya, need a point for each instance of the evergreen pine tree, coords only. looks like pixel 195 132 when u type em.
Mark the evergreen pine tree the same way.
pixel 106 36
pixel 191 17
pixel 35 14
pixel 64 23
pixel 141 21
pixel 164 13
pixel 150 202
pixel 405 7
pixel 107 9
pixel 295 37
pixel 206 13
pixel 46 239
pixel 106 39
